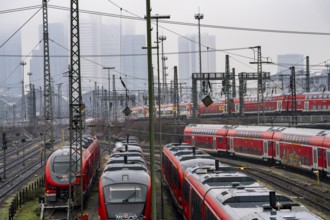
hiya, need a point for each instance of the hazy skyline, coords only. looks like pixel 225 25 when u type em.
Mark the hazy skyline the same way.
pixel 293 15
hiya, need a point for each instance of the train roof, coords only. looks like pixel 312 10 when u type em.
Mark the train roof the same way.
pixel 187 152
pixel 254 203
pixel 208 126
pixel 131 160
pixel 254 128
pixel 195 156
pixel 123 166
pixel 225 179
pixel 125 176
pixel 206 168
pixel 131 148
pixel 196 161
pixel 306 132
pixel 177 146
pixel 127 153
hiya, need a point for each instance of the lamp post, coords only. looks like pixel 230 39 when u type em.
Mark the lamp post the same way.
pixel 23 93
pixel 162 38
pixel 109 68
pixel 30 99
pixel 199 16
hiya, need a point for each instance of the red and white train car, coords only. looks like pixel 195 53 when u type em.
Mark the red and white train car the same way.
pixel 209 191
pixel 58 167
pixel 176 158
pixel 314 102
pixel 307 149
pixel 125 192
pixel 125 184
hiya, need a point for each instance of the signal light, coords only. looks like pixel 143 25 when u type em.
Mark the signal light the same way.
pixel 207 101
pixel 127 111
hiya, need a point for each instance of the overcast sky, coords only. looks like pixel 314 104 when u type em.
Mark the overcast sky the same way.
pixel 287 15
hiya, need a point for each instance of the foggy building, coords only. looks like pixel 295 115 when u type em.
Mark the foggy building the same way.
pixel 189 56
pixel 10 68
pixel 58 52
pixel 135 65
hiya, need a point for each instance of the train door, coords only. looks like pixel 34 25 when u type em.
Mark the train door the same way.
pixel 215 143
pixel 277 151
pixel 306 106
pixel 265 155
pixel 321 160
pixel 193 140
pixel 237 107
pixel 314 158
pixel 327 166
pixel 231 145
pixel 279 106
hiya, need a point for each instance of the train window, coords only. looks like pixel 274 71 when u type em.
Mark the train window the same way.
pixel 328 107
pixel 175 177
pixel 314 107
pixel 219 139
pixel 328 158
pixel 314 96
pixel 319 152
pixel 196 206
pixel 209 214
pixel 61 164
pixel 324 107
pixel 320 96
pixel 185 190
pixel 319 107
pixel 125 193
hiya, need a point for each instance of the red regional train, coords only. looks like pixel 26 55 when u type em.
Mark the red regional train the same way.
pixel 57 171
pixel 208 190
pixel 306 103
pixel 213 195
pixel 307 149
pixel 176 157
pixel 125 186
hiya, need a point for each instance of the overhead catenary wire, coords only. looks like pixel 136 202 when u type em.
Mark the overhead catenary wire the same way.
pixel 139 18
pixel 27 21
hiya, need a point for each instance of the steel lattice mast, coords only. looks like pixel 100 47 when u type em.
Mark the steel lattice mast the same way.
pixel 48 107
pixel 75 191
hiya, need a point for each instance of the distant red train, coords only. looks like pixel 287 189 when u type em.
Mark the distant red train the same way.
pixel 307 149
pixel 306 103
pixel 57 171
pixel 315 102
pixel 125 185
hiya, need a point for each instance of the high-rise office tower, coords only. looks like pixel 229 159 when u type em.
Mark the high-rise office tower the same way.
pixel 10 69
pixel 188 56
pixel 58 51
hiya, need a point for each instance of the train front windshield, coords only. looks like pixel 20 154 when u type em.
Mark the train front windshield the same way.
pixel 61 164
pixel 125 201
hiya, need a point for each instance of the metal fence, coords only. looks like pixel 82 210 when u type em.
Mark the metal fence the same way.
pixel 26 194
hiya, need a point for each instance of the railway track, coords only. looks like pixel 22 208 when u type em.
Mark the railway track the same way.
pixel 19 168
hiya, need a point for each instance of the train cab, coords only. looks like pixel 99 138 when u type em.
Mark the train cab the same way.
pixel 125 192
